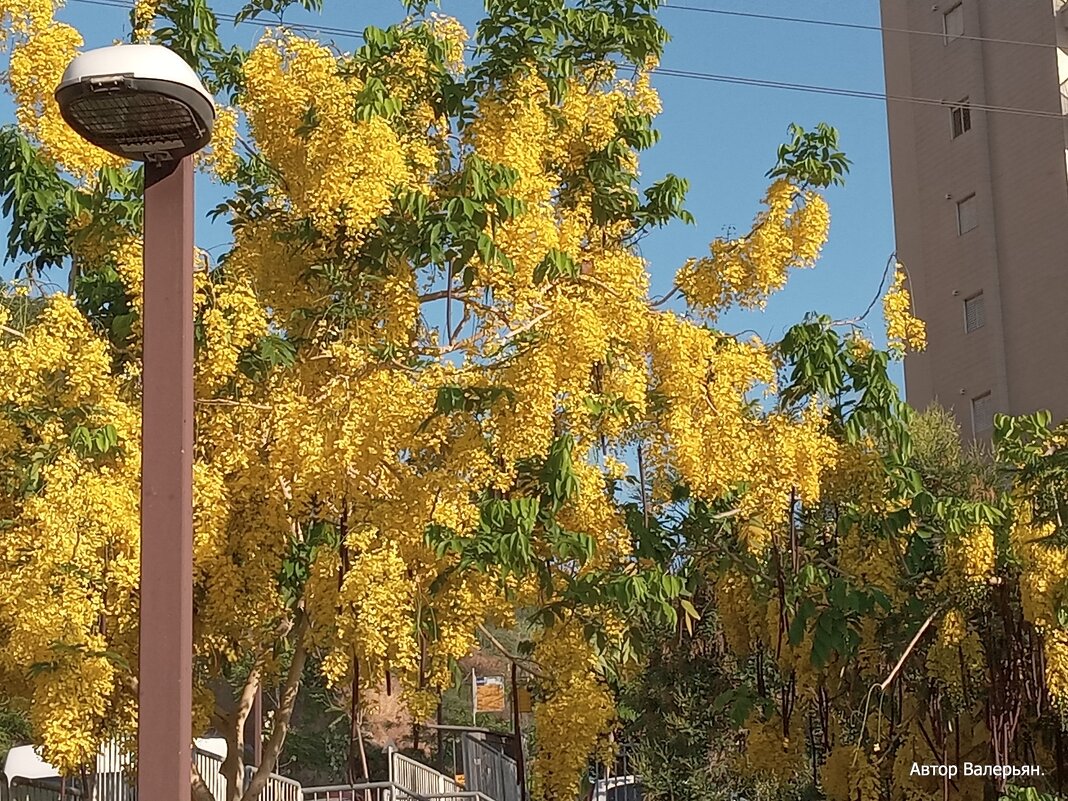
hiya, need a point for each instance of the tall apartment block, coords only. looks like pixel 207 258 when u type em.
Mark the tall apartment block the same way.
pixel 980 184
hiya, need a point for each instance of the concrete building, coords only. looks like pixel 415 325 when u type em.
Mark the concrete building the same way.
pixel 981 200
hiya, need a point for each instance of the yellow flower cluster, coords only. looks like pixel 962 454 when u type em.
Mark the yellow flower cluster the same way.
pixel 69 711
pixel 144 14
pixel 738 612
pixel 338 171
pixel 850 775
pixel 222 156
pixel 576 710
pixel 790 232
pixel 903 330
pixel 1055 651
pixel 232 320
pixel 1044 578
pixel 771 753
pixel 24 17
pixel 452 34
pixel 856 478
pixel 709 434
pixel 970 558
pixel 869 560
pixel 71 554
pixel 36 66
pixel 859 345
pixel 956 656
pixel 376 612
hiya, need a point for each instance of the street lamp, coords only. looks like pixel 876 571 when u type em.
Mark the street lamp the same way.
pixel 143 102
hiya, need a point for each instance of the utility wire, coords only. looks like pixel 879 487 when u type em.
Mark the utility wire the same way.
pixel 851 25
pixel 305 26
pixel 701 76
pixel 856 93
pixel 675 7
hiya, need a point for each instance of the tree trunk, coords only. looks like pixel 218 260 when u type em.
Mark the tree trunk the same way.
pixel 200 791
pixel 233 767
pixel 283 713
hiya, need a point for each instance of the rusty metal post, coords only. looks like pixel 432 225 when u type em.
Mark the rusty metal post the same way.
pixel 257 727
pixel 517 734
pixel 166 640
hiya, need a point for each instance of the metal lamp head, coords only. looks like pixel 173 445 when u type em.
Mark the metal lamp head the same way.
pixel 141 102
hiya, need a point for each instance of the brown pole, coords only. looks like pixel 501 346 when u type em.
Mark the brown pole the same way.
pixel 520 763
pixel 166 640
pixel 257 727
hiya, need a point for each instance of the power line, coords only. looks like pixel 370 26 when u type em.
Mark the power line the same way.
pixel 850 25
pixel 698 9
pixel 855 93
pixel 737 80
pixel 233 18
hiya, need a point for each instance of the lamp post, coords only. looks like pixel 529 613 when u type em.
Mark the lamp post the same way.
pixel 143 102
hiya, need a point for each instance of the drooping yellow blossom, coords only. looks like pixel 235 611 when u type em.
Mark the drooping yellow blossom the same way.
pixel 222 156
pixel 144 14
pixel 339 171
pixel 956 656
pixel 576 710
pixel 847 775
pixel 36 66
pixel 790 232
pixel 970 557
pixel 771 752
pixel 452 34
pixel 903 330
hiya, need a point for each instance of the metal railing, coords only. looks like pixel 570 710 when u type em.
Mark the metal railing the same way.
pixel 383 791
pixel 362 791
pixel 417 778
pixel 32 790
pixel 114 781
pixel 489 772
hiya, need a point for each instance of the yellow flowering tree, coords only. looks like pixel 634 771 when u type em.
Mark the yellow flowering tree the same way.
pixel 915 615
pixel 421 368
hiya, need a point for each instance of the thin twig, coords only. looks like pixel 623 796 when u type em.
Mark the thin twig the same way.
pixel 666 297
pixel 893 673
pixel 878 294
pixel 529 665
pixel 225 402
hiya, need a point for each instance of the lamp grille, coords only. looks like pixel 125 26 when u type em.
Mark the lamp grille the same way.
pixel 135 121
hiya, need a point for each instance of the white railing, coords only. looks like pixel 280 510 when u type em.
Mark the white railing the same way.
pixel 409 780
pixel 417 778
pixel 278 788
pixel 364 791
pixel 114 780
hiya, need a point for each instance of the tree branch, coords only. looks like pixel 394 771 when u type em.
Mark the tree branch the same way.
pixel 527 664
pixel 893 673
pixel 283 713
pixel 200 791
pixel 233 767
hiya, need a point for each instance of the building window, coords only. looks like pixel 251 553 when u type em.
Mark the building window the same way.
pixel 982 415
pixel 974 313
pixel 967 215
pixel 962 117
pixel 1064 97
pixel 953 23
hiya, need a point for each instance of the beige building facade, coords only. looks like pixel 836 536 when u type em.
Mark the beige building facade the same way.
pixel 980 184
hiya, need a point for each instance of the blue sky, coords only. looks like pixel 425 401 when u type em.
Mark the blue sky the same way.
pixel 720 136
